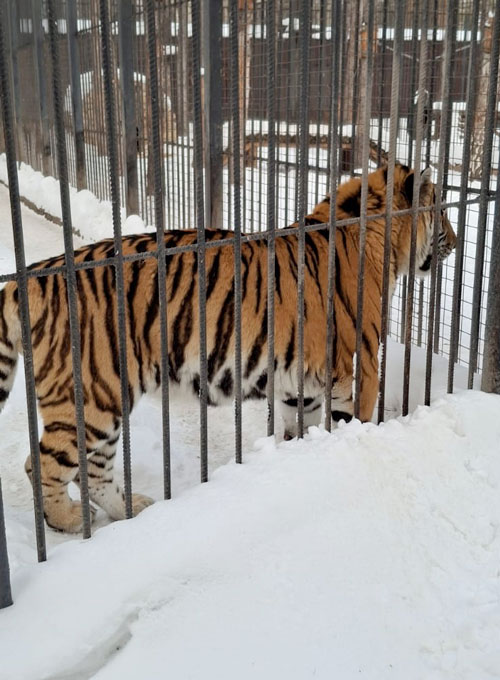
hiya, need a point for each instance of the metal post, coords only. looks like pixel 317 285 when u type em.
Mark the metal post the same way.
pixel 69 255
pixel 13 42
pixel 393 131
pixel 490 381
pixel 22 282
pixel 303 166
pixel 483 199
pixel 126 34
pixel 5 592
pixel 41 84
pixel 462 211
pixel 422 75
pixel 109 98
pixel 76 93
pixel 200 228
pixel 212 80
pixel 235 115
pixel 271 205
pixel 363 208
pixel 332 231
pixel 160 239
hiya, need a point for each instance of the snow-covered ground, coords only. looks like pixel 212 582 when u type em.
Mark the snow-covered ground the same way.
pixel 370 552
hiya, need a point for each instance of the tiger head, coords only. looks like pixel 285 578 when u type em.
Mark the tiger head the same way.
pixel 403 197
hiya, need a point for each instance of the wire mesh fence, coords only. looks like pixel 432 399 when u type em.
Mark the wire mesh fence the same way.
pixel 243 115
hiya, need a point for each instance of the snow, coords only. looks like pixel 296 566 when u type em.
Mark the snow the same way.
pixel 369 551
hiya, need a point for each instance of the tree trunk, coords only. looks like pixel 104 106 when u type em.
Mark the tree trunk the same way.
pixel 478 133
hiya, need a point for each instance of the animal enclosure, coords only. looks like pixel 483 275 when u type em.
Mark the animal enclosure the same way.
pixel 243 115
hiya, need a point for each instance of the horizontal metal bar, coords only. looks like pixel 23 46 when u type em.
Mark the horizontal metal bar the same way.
pixel 245 238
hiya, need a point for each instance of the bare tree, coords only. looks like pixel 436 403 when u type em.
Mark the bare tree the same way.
pixel 484 68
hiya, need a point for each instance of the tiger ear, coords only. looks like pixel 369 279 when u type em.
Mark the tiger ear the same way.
pixel 426 185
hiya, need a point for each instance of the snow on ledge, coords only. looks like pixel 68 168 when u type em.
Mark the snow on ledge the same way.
pixel 91 218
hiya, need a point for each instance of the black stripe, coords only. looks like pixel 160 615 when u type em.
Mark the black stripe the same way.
pixel 293 402
pixel 213 274
pixel 256 350
pixel 292 261
pixel 3 394
pixel 5 330
pixel 277 277
pixel 152 312
pixel 225 384
pixel 55 304
pixel 244 278
pixel 290 348
pixel 58 425
pixel 224 331
pixel 38 330
pixel 109 290
pixel 177 277
pixel 258 286
pixel 183 322
pixel 90 274
pixel 341 415
pixel 312 220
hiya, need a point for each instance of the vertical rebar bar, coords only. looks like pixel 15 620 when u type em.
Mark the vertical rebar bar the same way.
pixel 383 47
pixel 200 226
pixel 332 228
pixel 126 35
pixel 22 282
pixel 160 239
pixel 111 130
pixel 69 255
pixel 490 381
pixel 41 83
pixel 271 205
pixel 364 199
pixel 303 163
pixel 422 76
pixel 489 128
pixel 470 108
pixel 76 92
pixel 5 590
pixel 445 112
pixel 235 120
pixel 212 81
pixel 393 131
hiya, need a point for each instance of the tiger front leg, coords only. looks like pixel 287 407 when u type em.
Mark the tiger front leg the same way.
pixel 59 467
pixel 342 405
pixel 369 386
pixel 312 414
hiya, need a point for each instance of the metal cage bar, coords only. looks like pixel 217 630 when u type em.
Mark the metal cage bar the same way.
pixel 22 282
pixel 109 97
pixel 71 279
pixel 159 187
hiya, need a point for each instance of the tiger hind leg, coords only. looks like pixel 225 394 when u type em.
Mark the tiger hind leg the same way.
pixel 104 491
pixel 59 467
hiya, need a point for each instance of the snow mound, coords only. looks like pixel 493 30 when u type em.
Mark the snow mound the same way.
pixel 371 552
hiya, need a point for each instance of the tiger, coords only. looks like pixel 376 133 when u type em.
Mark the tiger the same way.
pixel 97 310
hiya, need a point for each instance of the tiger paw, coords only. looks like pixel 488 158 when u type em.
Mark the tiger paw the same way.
pixel 140 502
pixel 67 517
